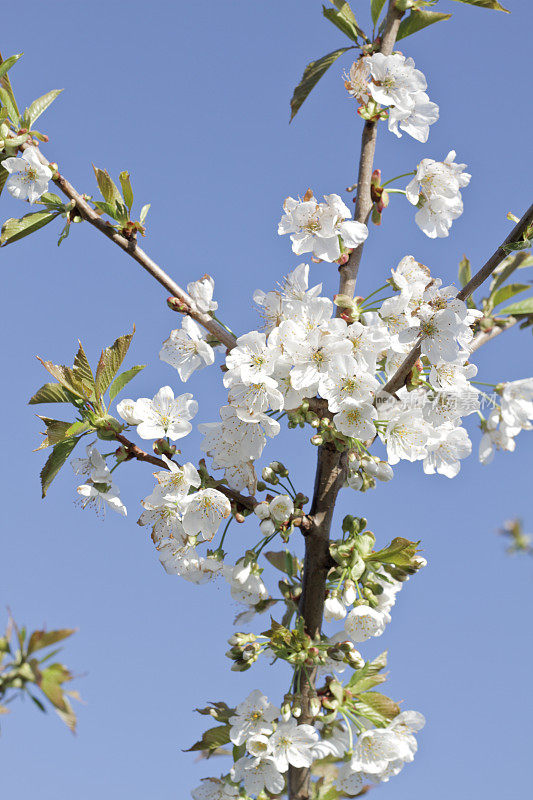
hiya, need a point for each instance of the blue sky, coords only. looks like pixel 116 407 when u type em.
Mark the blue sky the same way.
pixel 193 100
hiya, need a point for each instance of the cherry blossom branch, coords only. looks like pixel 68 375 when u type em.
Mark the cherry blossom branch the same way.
pixel 400 376
pixel 134 451
pixel 131 247
pixel 363 200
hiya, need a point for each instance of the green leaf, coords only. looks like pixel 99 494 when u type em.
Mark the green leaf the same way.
pixel 8 101
pixel 51 393
pixel 40 105
pixel 66 377
pixel 284 561
pixel 121 380
pixel 506 292
pixel 64 233
pixel 368 676
pixel 82 369
pixel 3 178
pixel 517 309
pixel 376 707
pixel 15 229
pixel 399 552
pixel 6 65
pixel 376 7
pixel 144 211
pixel 417 20
pixel 344 20
pixel 127 191
pixel 110 193
pixel 110 361
pixel 40 639
pixel 57 431
pixel 37 702
pixel 5 83
pixel 51 199
pixel 508 266
pixel 212 739
pixel 491 4
pixel 312 74
pixel 465 271
pixel 55 461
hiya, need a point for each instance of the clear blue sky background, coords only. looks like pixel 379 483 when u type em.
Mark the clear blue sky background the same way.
pixel 192 98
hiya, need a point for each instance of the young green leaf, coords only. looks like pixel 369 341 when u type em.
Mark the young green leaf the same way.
pixel 40 639
pixel 212 739
pixel 82 369
pixel 40 105
pixel 417 20
pixel 110 193
pixel 312 74
pixel 6 65
pixel 144 211
pixel 491 4
pixel 520 308
pixel 506 292
pixel 376 707
pixel 124 378
pixel 343 18
pixel 127 191
pixel 15 229
pixel 376 7
pixel 5 84
pixel 110 361
pixel 51 393
pixel 55 461
pixel 66 377
pixel 508 266
pixel 465 271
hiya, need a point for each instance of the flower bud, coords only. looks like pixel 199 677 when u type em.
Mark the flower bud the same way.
pixel 270 476
pixel 262 510
pixel 279 468
pixel 384 471
pixel 285 712
pixel 267 527
pixel 317 440
pixel 349 593
pixel 175 304
pixel 314 706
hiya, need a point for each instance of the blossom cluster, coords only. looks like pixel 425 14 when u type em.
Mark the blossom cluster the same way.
pixel 436 191
pixel 505 422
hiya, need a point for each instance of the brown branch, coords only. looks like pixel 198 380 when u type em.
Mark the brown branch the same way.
pixel 331 464
pixel 131 247
pixel 487 336
pixel 248 503
pixel 402 373
pixel 363 200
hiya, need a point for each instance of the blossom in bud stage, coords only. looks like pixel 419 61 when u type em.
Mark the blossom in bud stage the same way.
pixel 215 789
pixel 126 410
pixel 204 512
pixel 165 415
pixel 186 349
pixel 292 744
pixel 28 178
pixel 363 622
pixel 316 227
pixel 262 510
pixel 201 292
pixel 349 593
pixel 354 480
pixel 334 608
pixel 101 495
pixel 258 774
pixel 248 589
pixel 267 527
pixel 356 420
pixel 253 716
pixel 281 508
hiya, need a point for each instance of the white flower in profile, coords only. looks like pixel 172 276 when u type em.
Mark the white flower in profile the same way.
pixel 253 716
pixel 517 403
pixel 214 789
pixel 446 447
pixel 350 782
pixel 282 375
pixel 497 436
pixel 186 349
pixel 99 495
pixel 406 436
pixel 435 189
pixel 204 512
pixel 126 410
pixel 258 774
pixel 28 178
pixel 356 420
pixel 364 622
pixel 94 465
pixel 295 285
pixel 201 292
pixel 334 608
pixel 395 80
pixel 188 564
pixel 411 276
pixel 415 120
pixel 174 483
pixel 376 748
pixel 293 744
pixel 249 591
pixel 165 415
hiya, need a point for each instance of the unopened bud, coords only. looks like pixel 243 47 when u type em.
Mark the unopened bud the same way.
pixel 314 706
pixel 175 304
pixel 239 517
pixel 270 476
pixel 317 440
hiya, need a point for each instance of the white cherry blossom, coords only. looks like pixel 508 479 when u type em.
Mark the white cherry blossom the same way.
pixel 186 349
pixel 201 292
pixel 258 774
pixel 204 512
pixel 100 495
pixel 445 449
pixel 292 745
pixel 253 716
pixel 356 420
pixel 28 178
pixel 364 622
pixel 165 415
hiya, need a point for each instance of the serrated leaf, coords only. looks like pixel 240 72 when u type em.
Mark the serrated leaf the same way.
pixel 399 552
pixel 15 229
pixel 312 74
pixel 124 378
pixel 376 707
pixel 82 369
pixel 110 193
pixel 40 639
pixel 110 361
pixel 376 7
pixel 127 191
pixel 343 18
pixel 465 271
pixel 50 393
pixel 508 266
pixel 517 309
pixel 66 377
pixel 57 431
pixel 506 292
pixel 40 105
pixel 55 461
pixel 8 101
pixel 212 738
pixel 490 4
pixel 417 20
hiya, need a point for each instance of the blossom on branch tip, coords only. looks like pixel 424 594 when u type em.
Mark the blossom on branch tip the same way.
pixel 28 178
